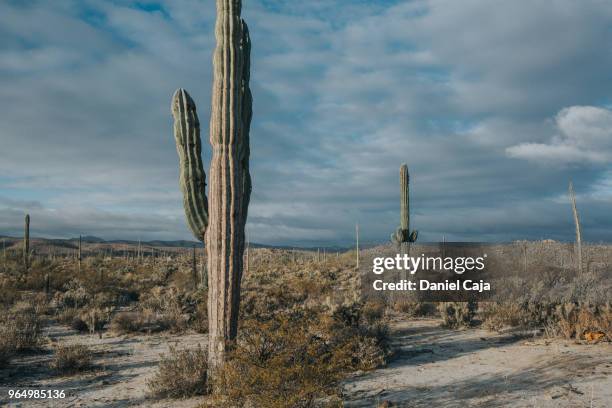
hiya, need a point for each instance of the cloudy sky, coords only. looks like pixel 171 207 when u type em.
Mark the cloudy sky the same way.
pixel 494 105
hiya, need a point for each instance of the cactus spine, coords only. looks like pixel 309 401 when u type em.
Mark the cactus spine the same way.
pixel 26 243
pixel 220 222
pixel 402 236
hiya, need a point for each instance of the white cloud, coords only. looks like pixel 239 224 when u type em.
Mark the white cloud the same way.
pixel 345 91
pixel 585 136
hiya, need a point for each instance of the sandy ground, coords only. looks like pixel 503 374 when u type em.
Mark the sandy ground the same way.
pixel 433 367
pixel 436 367
pixel 122 367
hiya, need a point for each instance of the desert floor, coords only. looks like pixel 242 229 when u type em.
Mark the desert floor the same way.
pixel 432 366
pixel 437 367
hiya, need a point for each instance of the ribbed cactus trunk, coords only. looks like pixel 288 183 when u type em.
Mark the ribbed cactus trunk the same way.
pixel 26 243
pixel 403 235
pixel 230 181
pixel 220 219
pixel 404 207
pixel 404 198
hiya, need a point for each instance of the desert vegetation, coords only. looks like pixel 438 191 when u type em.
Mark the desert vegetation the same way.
pixel 305 324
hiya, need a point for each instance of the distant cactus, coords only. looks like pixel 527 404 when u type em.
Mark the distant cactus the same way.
pixel 221 224
pixel 26 243
pixel 403 235
pixel 572 195
pixel 80 254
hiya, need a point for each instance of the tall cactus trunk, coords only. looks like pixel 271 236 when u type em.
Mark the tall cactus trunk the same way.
pixel 230 181
pixel 404 210
pixel 26 243
pixel 402 236
pixel 203 270
pixel 572 195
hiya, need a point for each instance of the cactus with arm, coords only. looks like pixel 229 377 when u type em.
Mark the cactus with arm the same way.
pixel 220 219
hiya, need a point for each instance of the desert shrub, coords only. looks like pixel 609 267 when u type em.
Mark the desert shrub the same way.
pixel 298 356
pixel 181 373
pixel 567 320
pixel 21 328
pixel 573 320
pixel 373 310
pixel 141 321
pixel 7 349
pixel 78 324
pixel 457 314
pixel 95 318
pixel 74 296
pixel 496 316
pixel 276 364
pixel 169 306
pixel 414 308
pixel 70 359
pixel 67 316
pixel 125 322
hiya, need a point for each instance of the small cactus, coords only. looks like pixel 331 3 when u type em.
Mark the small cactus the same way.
pixel 403 235
pixel 26 243
pixel 80 255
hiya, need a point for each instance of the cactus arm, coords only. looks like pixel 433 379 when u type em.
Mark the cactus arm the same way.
pixel 192 178
pixel 247 115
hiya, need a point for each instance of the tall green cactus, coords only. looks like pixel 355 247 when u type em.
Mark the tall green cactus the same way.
pixel 403 235
pixel 26 243
pixel 220 222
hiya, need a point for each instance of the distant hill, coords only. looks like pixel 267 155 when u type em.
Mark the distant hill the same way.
pixel 89 239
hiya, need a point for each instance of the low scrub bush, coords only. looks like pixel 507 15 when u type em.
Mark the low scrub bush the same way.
pixel 413 308
pixel 457 314
pixel 71 359
pixel 297 358
pixel 181 374
pixel 21 328
pixel 582 322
